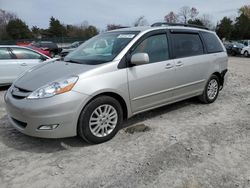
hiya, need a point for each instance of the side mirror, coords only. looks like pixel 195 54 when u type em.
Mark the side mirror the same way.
pixel 140 59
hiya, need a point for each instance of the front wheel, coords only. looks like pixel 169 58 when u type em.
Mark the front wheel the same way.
pixel 211 90
pixel 100 120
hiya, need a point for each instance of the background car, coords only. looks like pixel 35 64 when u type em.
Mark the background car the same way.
pixel 246 51
pixel 70 48
pixel 43 51
pixel 234 48
pixel 14 60
pixel 48 45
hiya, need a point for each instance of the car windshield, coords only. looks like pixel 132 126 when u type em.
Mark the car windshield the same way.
pixel 101 49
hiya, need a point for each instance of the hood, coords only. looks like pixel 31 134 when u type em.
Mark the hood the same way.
pixel 49 72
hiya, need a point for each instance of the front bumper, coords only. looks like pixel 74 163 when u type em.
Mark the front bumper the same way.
pixel 62 110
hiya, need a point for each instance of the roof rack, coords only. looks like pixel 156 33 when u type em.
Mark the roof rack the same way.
pixel 159 24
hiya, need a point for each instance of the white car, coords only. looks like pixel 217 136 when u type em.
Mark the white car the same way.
pixel 14 60
pixel 246 51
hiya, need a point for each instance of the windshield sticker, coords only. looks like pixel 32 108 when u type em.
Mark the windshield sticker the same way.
pixel 126 36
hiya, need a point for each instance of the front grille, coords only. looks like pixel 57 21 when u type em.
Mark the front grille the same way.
pixel 20 93
pixel 20 124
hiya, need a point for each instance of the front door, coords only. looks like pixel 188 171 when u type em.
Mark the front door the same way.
pixel 150 85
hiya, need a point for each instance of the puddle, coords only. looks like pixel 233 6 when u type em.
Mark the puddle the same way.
pixel 137 128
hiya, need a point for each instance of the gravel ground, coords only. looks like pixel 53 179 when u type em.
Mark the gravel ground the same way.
pixel 187 145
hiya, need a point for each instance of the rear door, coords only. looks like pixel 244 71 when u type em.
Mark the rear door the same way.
pixel 8 66
pixel 150 84
pixel 26 58
pixel 191 63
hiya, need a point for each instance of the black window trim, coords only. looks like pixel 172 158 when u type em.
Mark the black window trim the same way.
pixel 201 35
pixel 124 63
pixel 188 32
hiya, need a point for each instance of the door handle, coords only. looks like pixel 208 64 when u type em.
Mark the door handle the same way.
pixel 169 66
pixel 179 63
pixel 24 64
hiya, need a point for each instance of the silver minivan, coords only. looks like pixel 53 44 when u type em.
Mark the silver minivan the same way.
pixel 114 76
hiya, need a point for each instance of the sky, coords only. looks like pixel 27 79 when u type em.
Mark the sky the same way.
pixel 102 12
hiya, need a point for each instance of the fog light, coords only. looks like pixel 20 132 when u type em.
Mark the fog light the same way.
pixel 48 127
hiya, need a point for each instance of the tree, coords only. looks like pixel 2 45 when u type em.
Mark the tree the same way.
pixel 206 19
pixel 186 13
pixel 56 29
pixel 171 17
pixel 196 21
pixel 141 21
pixel 17 29
pixel 245 10
pixel 5 17
pixel 111 27
pixel 225 28
pixel 242 27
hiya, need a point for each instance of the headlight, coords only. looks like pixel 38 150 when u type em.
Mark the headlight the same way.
pixel 54 88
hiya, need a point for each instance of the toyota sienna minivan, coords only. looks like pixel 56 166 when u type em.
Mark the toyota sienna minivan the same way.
pixel 114 76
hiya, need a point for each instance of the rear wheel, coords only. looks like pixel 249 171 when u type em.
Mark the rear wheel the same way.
pixel 211 90
pixel 246 54
pixel 100 120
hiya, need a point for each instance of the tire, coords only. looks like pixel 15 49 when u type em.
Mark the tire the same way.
pixel 246 54
pixel 211 90
pixel 233 53
pixel 94 118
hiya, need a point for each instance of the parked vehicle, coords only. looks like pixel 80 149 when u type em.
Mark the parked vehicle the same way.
pixel 246 51
pixel 42 51
pixel 48 45
pixel 14 60
pixel 70 48
pixel 234 48
pixel 102 83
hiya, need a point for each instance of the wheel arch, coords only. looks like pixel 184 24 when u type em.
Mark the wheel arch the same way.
pixel 220 77
pixel 116 96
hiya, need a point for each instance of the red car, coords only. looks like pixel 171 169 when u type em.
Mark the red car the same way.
pixel 43 51
pixel 29 45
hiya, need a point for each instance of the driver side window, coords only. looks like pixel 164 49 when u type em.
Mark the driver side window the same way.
pixel 155 46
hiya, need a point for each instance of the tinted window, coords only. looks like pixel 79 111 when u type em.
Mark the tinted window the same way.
pixel 22 53
pixel 4 53
pixel 155 46
pixel 185 45
pixel 212 43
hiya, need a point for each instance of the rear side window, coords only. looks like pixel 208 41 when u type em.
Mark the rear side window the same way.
pixel 155 46
pixel 186 44
pixel 22 53
pixel 212 43
pixel 4 53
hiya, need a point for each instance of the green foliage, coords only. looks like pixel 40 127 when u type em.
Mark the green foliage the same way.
pixel 56 29
pixel 242 27
pixel 17 29
pixel 196 21
pixel 225 28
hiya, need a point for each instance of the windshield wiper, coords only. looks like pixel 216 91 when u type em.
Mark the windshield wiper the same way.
pixel 72 61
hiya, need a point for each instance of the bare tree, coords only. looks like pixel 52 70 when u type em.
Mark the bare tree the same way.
pixel 171 17
pixel 141 21
pixel 206 19
pixel 5 17
pixel 186 13
pixel 193 13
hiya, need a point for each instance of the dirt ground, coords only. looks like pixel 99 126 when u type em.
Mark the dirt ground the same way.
pixel 189 145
